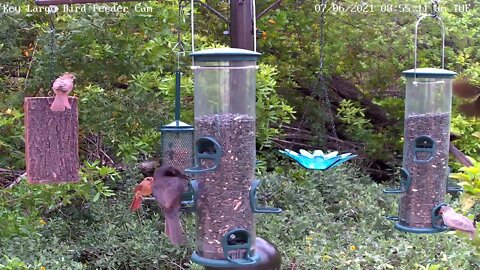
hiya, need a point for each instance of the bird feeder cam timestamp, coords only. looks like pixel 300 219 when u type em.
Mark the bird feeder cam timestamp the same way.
pixel 387 8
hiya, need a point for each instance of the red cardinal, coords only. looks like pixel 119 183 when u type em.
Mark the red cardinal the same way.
pixel 465 89
pixel 142 189
pixel 62 87
pixel 168 187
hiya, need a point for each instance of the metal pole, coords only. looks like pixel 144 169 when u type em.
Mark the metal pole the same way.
pixel 178 76
pixel 241 24
pixel 67 2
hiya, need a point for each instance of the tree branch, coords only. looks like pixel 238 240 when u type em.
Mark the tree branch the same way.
pixel 17 180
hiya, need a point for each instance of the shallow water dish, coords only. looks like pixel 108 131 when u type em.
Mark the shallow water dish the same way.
pixel 318 160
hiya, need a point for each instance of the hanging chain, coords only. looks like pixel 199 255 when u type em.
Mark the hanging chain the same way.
pixel 51 15
pixel 179 48
pixel 323 96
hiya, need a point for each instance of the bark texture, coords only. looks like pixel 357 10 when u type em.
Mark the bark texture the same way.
pixel 51 142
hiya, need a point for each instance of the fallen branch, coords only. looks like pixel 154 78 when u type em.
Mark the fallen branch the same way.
pixel 55 207
pixel 99 151
pixel 459 156
pixel 290 143
pixel 9 171
pixel 17 180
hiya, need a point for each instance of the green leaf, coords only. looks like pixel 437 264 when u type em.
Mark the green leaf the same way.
pixel 96 197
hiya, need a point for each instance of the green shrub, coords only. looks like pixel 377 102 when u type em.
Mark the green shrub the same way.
pixel 24 207
pixel 272 110
pixel 11 139
pixel 378 144
pixel 331 220
pixel 465 127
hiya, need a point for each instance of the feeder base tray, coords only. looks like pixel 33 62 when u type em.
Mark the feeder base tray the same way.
pixel 223 263
pixel 404 228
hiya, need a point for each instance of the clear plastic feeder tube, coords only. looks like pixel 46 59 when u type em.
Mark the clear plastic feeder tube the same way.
pixel 224 85
pixel 428 104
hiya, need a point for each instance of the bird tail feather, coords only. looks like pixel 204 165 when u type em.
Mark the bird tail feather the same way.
pixel 174 229
pixel 136 203
pixel 58 104
pixel 67 103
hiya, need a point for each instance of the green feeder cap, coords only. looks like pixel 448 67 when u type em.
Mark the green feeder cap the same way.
pixel 176 126
pixel 429 73
pixel 225 54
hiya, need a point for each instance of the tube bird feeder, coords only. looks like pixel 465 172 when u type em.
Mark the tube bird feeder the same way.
pixel 177 137
pixel 224 86
pixel 425 171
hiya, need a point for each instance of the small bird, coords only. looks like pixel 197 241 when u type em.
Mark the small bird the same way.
pixel 457 221
pixel 465 89
pixel 62 86
pixel 142 189
pixel 270 257
pixel 168 187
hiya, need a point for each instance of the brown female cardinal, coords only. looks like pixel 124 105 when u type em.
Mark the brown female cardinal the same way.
pixel 465 89
pixel 168 187
pixel 457 221
pixel 62 87
pixel 142 189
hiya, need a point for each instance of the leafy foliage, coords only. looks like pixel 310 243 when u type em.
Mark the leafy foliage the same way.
pixel 330 220
pixel 272 110
pixel 11 139
pixel 125 70
pixel 357 126
pixel 469 179
pixel 22 207
pixel 466 128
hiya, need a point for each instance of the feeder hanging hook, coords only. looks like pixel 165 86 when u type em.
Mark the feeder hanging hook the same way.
pixel 51 16
pixel 435 9
pixel 179 48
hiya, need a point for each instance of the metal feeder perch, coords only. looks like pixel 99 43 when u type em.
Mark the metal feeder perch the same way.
pixel 225 199
pixel 425 170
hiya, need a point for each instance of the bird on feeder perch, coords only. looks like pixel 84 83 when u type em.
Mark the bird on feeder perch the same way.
pixel 168 187
pixel 62 87
pixel 457 221
pixel 142 189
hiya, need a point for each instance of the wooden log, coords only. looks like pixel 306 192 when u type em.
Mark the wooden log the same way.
pixel 339 89
pixel 51 142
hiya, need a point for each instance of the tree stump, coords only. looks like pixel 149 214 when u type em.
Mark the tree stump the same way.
pixel 51 142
